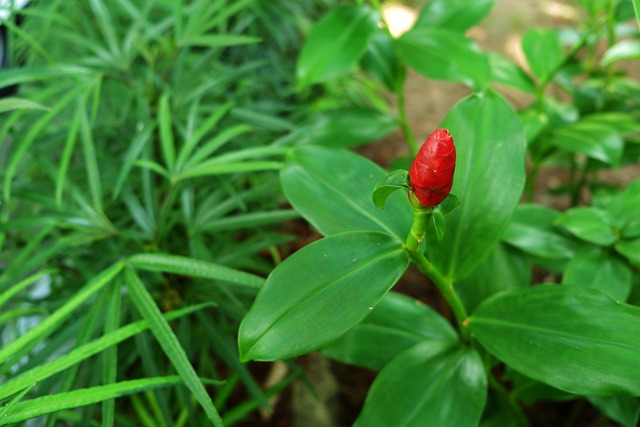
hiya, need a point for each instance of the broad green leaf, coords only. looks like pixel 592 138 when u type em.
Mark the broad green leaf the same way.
pixel 598 268
pixel 8 104
pixel 622 409
pixel 598 141
pixel 398 179
pixel 589 224
pixel 504 269
pixel 624 209
pixel 574 338
pixel 532 232
pixel 336 43
pixel 630 249
pixel 506 72
pixel 455 15
pixel 441 54
pixel 623 50
pixel 534 122
pixel 344 127
pixel 397 323
pixel 73 399
pixel 636 8
pixel 319 293
pixel 169 343
pixel 381 63
pixel 488 180
pixel 332 190
pixel 194 267
pixel 543 51
pixel 431 384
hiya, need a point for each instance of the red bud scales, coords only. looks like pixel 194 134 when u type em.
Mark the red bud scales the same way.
pixel 431 173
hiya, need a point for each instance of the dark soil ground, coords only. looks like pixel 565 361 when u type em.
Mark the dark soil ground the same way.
pixel 333 393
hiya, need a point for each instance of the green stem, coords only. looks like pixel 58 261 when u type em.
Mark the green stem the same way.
pixel 444 284
pixel 567 57
pixel 501 391
pixel 403 119
pixel 530 184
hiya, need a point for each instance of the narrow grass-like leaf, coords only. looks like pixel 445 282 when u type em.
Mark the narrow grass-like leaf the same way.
pixel 153 166
pixel 51 323
pixel 82 397
pixel 169 343
pixel 216 142
pixel 135 148
pixel 110 355
pixel 251 220
pixel 86 351
pixel 106 25
pixel 206 127
pixel 6 295
pixel 167 144
pixel 194 267
pixel 65 158
pixel 214 167
pixel 24 143
pixel 220 40
pixel 17 398
pixel 9 104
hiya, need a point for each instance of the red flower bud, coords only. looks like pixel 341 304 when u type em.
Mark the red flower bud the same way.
pixel 431 173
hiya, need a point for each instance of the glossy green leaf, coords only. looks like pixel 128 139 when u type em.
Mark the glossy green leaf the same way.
pixel 397 323
pixel 336 43
pixel 624 209
pixel 589 224
pixel 341 128
pixel 437 221
pixel 431 384
pixel 636 8
pixel 332 190
pixel 398 179
pixel 441 54
pixel 504 269
pixel 543 51
pixel 597 268
pixel 319 293
pixel 532 232
pixel 381 63
pixel 622 409
pixel 488 180
pixel 455 15
pixel 574 338
pixel 623 50
pixel 598 141
pixel 506 72
pixel 630 249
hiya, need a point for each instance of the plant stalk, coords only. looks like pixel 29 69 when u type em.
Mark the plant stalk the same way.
pixel 445 285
